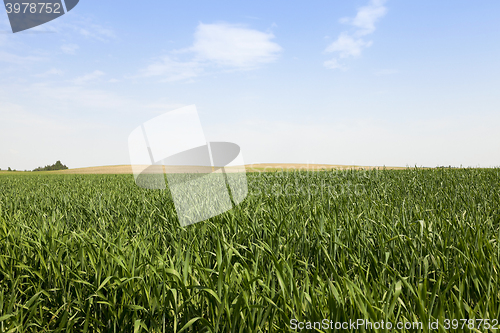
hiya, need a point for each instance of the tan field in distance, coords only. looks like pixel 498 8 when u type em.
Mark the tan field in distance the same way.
pixel 260 167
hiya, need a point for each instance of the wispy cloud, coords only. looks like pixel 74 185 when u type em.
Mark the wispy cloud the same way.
pixel 4 25
pixel 366 17
pixel 78 97
pixel 85 27
pixel 10 49
pixel 97 32
pixel 172 70
pixel 347 46
pixel 160 108
pixel 88 77
pixel 69 48
pixel 334 64
pixel 51 72
pixel 219 45
pixel 19 60
pixel 352 44
pixel 386 71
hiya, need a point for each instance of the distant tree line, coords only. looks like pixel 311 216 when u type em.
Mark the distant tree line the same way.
pixel 56 166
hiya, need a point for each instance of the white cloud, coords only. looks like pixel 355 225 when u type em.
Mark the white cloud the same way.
pixel 348 46
pixel 69 48
pixel 88 77
pixel 367 16
pixel 351 45
pixel 234 46
pixel 222 45
pixel 172 70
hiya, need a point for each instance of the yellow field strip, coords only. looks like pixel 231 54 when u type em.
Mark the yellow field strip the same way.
pixel 261 167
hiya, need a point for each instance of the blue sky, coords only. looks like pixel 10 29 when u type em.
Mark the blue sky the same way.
pixel 340 82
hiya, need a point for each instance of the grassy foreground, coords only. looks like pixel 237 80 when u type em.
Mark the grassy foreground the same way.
pixel 95 253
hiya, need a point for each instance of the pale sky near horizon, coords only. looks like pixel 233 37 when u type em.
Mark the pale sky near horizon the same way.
pixel 366 82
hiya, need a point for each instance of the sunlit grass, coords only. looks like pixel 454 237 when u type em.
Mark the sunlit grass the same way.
pixel 95 253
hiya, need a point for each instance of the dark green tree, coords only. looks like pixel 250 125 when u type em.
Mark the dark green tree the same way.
pixel 56 166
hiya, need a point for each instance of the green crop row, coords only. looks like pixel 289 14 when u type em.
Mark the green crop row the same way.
pixel 96 253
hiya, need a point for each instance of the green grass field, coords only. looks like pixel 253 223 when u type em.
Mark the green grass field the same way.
pixel 95 253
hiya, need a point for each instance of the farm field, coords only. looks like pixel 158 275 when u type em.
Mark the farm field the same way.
pixel 96 253
pixel 260 167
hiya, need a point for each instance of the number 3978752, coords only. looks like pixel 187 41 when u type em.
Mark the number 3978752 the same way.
pixel 33 8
